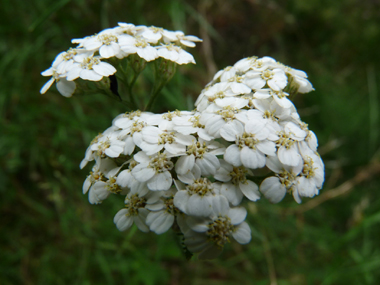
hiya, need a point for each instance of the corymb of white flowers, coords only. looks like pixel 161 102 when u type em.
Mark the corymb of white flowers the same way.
pixel 191 170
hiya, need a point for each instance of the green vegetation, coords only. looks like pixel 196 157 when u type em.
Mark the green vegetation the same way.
pixel 50 234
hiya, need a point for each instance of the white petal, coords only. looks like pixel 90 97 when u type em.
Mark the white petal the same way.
pixel 148 53
pixel 86 185
pixel 242 234
pixel 159 222
pixel 220 205
pixel 232 130
pixel 289 156
pixel 66 88
pixel 47 85
pixel 160 181
pixel 199 206
pixel 142 173
pixel 209 164
pixel 180 200
pixel 185 164
pixel 232 155
pixel 108 51
pixel 233 194
pixel 122 221
pixel 272 189
pixel 73 73
pixel 267 147
pixel 91 75
pixel 237 215
pixel 104 69
pixel 252 158
pixel 250 190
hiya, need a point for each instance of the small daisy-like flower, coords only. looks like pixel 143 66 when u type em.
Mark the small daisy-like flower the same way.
pixel 104 186
pixel 131 45
pixel 288 152
pixel 162 214
pixel 135 210
pixel 188 40
pixel 274 78
pixel 108 145
pixel 251 144
pixel 216 119
pixel 236 183
pixel 207 236
pixel 99 172
pixel 274 188
pixel 190 124
pixel 299 80
pixel 154 170
pixel 175 54
pixel 106 42
pixel 279 96
pixel 311 178
pixel 196 198
pixel 201 154
pixel 154 140
pixel 66 88
pixel 89 67
pixel 254 63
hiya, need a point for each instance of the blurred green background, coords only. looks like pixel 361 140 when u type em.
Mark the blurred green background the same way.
pixel 50 234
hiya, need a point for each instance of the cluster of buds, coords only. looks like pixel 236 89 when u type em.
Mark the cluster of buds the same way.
pixel 191 170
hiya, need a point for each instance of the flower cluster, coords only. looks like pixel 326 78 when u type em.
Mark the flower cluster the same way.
pixel 194 169
pixel 94 56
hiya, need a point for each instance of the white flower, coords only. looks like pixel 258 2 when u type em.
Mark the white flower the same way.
pixel 254 63
pixel 90 153
pixel 288 152
pixel 126 179
pixel 89 67
pixel 208 235
pixel 236 183
pixel 300 79
pixel 106 42
pixel 190 124
pixel 275 79
pixel 154 170
pixel 216 119
pixel 64 60
pixel 225 74
pixel 196 198
pixel 108 145
pixel 132 45
pixel 162 214
pixel 251 144
pixel 274 188
pixel 311 178
pixel 99 173
pixel 135 210
pixel 66 88
pixel 104 186
pixel 175 54
pixel 278 96
pixel 186 40
pixel 201 154
pixel 154 140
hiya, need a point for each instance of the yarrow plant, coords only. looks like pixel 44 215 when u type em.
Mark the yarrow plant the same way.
pixel 191 170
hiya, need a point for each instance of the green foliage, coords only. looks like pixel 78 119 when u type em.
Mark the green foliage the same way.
pixel 50 234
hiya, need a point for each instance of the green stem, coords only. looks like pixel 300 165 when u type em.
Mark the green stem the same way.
pixel 155 91
pixel 130 86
